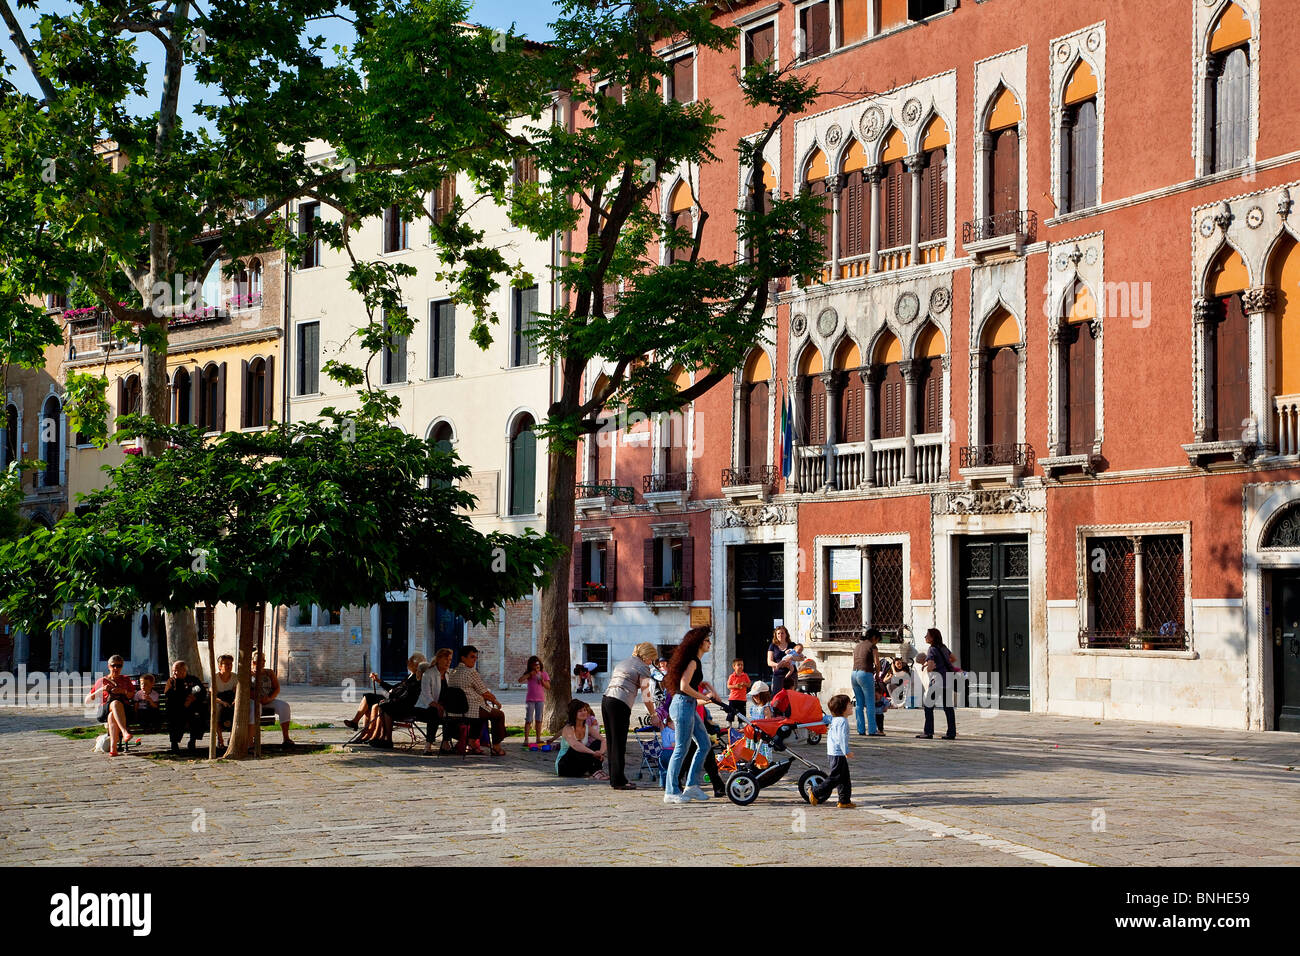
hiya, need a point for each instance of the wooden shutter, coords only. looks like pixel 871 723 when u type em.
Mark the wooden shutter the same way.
pixel 648 580
pixel 1080 388
pixel 896 206
pixel 1081 155
pixel 523 466
pixel 684 79
pixel 818 188
pixel 121 396
pixel 667 463
pixel 851 421
pixel 756 432
pixel 1004 172
pixel 221 398
pixel 443 198
pixel 268 391
pixel 934 209
pixel 245 393
pixel 1231 102
pixel 889 403
pixel 851 215
pixel 930 409
pixel 1000 404
pixel 816 30
pixel 1231 370
pixel 815 412
pixel 581 549
pixel 760 44
pixel 611 570
pixel 688 569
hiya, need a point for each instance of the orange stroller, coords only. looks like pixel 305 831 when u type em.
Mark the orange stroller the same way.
pixel 751 762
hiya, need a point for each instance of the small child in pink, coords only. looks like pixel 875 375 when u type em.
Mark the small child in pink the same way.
pixel 539 682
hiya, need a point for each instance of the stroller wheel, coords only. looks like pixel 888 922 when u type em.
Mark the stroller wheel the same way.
pixel 810 779
pixel 742 788
pixel 814 739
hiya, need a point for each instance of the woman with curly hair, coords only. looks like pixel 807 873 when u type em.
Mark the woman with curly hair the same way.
pixel 685 674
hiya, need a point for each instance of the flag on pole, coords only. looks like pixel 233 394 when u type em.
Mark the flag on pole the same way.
pixel 787 437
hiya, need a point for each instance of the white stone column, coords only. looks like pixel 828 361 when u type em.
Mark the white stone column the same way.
pixel 874 175
pixel 909 368
pixel 1259 305
pixel 914 166
pixel 831 381
pixel 1204 313
pixel 834 185
pixel 870 376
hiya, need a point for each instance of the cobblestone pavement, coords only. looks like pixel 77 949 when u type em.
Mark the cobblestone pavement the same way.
pixel 1014 789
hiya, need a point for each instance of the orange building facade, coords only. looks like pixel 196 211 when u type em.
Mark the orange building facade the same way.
pixel 1045 394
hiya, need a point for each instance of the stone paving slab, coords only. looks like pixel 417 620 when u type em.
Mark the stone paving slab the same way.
pixel 1013 790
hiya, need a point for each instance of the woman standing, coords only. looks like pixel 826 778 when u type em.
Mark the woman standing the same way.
pixel 866 662
pixel 776 653
pixel 582 749
pixel 685 674
pixel 939 662
pixel 628 680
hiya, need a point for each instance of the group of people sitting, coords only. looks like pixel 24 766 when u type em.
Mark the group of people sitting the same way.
pixel 124 703
pixel 434 694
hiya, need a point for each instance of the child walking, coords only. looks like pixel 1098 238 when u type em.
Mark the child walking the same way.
pixel 539 682
pixel 837 748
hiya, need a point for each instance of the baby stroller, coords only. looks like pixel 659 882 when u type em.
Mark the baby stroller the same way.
pixel 751 760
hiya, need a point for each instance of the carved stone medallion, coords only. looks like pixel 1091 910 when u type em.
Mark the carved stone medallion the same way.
pixel 826 323
pixel 911 111
pixel 873 123
pixel 799 325
pixel 833 135
pixel 940 299
pixel 908 307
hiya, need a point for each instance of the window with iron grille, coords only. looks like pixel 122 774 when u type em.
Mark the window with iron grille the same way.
pixel 878 603
pixel 1135 592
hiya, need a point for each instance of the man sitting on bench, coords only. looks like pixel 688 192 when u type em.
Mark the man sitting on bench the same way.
pixel 187 708
pixel 266 691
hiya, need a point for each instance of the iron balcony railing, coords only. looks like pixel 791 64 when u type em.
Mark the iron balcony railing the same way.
pixel 674 481
pixel 670 592
pixel 601 489
pixel 983 456
pixel 764 475
pixel 1014 222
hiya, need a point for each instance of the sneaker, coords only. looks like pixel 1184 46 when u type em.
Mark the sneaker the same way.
pixel 675 798
pixel 695 793
pixel 812 798
pixel 846 805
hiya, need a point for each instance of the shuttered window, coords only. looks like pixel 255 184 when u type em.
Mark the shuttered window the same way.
pixel 760 44
pixel 889 402
pixel 668 569
pixel 852 426
pixel 1004 172
pixel 855 212
pixel 1000 398
pixel 934 196
pixel 212 398
pixel 815 411
pixel 523 468
pixel 523 349
pixel 818 188
pixel 1079 150
pixel 1231 370
pixel 397 231
pixel 442 339
pixel 444 197
pixel 394 356
pixel 756 425
pixel 929 411
pixel 1079 362
pixel 896 206
pixel 308 358
pixel 681 80
pixel 308 214
pixel 525 169
pixel 1230 103
pixel 815 25
pixel 681 221
pixel 258 377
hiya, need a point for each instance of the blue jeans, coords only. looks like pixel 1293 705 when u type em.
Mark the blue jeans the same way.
pixel 864 694
pixel 686 725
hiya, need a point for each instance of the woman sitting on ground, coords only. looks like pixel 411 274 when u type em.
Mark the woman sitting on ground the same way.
pixel 582 749
pixel 399 704
pixel 114 694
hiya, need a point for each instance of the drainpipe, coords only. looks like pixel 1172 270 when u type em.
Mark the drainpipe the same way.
pixel 286 292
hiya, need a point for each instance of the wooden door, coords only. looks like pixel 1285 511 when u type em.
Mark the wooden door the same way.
pixel 1004 175
pixel 1080 398
pixel 1286 652
pixel 756 430
pixel 1000 397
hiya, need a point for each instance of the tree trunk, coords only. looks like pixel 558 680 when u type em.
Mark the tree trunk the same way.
pixel 183 643
pixel 239 727
pixel 562 472
pixel 213 709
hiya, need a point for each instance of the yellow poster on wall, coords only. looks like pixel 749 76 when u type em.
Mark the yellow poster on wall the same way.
pixel 846 571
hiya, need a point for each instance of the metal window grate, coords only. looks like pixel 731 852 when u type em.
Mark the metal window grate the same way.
pixel 1110 584
pixel 886 563
pixel 1162 565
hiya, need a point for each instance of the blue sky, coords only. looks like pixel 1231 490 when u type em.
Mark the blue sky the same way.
pixel 532 18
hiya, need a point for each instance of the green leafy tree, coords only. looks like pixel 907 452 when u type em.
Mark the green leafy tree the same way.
pixel 602 174
pixel 335 512
pixel 131 207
